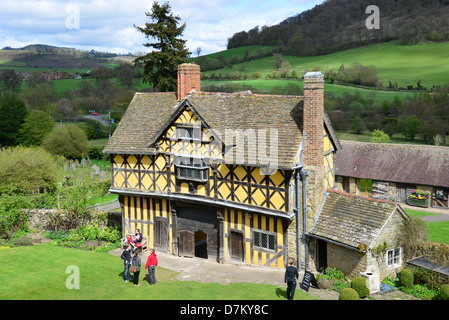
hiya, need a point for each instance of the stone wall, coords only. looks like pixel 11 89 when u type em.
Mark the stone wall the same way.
pixel 44 219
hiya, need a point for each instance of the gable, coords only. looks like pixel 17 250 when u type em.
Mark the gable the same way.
pixel 186 134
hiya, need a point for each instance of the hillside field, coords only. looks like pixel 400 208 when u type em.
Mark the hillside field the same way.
pixel 406 65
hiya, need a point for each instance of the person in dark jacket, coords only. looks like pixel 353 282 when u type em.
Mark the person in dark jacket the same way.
pixel 291 275
pixel 126 257
pixel 136 263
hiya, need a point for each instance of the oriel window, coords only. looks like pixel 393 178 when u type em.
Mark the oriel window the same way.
pixel 192 169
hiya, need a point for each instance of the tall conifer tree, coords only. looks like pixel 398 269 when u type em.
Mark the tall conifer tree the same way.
pixel 161 65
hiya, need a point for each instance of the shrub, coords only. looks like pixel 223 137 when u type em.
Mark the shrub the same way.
pixel 348 294
pixel 444 292
pixel 25 170
pixel 406 278
pixel 69 141
pixel 359 285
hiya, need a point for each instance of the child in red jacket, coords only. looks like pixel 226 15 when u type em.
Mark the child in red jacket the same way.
pixel 151 265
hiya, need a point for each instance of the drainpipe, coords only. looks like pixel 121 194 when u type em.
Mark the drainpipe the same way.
pixel 298 217
pixel 304 175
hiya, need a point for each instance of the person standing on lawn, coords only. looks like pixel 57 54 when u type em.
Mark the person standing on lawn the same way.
pixel 151 266
pixel 291 274
pixel 126 257
pixel 136 267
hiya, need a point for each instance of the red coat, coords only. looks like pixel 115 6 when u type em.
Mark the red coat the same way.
pixel 152 261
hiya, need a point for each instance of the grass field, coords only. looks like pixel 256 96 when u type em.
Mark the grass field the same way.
pixel 39 273
pixel 428 62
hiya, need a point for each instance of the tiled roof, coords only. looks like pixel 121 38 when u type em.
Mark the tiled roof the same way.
pixel 351 220
pixel 148 113
pixel 403 163
pixel 145 115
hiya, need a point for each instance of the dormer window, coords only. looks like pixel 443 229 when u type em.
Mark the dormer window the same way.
pixel 195 169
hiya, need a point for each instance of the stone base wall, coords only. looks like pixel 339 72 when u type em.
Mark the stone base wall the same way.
pixel 56 220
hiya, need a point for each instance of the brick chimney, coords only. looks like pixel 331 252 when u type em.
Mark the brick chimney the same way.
pixel 313 118
pixel 188 79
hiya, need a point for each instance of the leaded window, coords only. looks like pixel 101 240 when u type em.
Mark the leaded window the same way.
pixel 264 240
pixel 192 169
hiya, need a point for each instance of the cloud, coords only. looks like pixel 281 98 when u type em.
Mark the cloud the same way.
pixel 109 24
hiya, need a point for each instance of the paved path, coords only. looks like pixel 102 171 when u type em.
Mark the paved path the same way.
pixel 203 270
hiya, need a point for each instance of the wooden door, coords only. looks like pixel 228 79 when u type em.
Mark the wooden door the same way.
pixel 400 193
pixel 236 246
pixel 186 243
pixel 161 241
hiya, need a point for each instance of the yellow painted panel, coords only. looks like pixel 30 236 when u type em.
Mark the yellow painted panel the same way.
pixel 201 190
pixel 277 200
pixel 258 196
pixel 277 178
pixel 145 209
pixel 157 207
pixel 132 161
pixel 146 180
pixel 184 187
pixel 263 258
pixel 240 193
pixel 146 162
pixel 248 236
pixel 164 208
pixel 119 179
pixel 118 160
pixel 224 190
pixel 160 162
pixel 239 220
pixel 133 179
pixel 126 205
pixel 258 176
pixel 223 169
pixel 240 172
pixel 226 219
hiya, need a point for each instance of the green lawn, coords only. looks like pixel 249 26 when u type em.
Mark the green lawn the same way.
pixel 438 231
pixel 39 273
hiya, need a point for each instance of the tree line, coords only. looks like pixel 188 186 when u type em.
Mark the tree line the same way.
pixel 424 116
pixel 337 25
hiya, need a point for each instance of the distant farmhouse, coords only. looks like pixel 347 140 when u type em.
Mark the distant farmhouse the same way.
pixel 414 174
pixel 246 178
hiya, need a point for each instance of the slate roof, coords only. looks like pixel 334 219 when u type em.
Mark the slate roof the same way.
pixel 401 163
pixel 149 114
pixel 352 220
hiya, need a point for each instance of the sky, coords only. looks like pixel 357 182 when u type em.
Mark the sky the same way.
pixel 108 25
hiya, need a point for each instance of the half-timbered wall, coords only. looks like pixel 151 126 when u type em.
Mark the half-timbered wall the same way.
pixel 263 238
pixel 152 217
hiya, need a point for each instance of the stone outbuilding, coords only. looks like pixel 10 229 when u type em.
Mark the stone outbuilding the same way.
pixel 359 235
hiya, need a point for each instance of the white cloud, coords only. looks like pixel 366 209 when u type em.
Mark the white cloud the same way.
pixel 109 24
